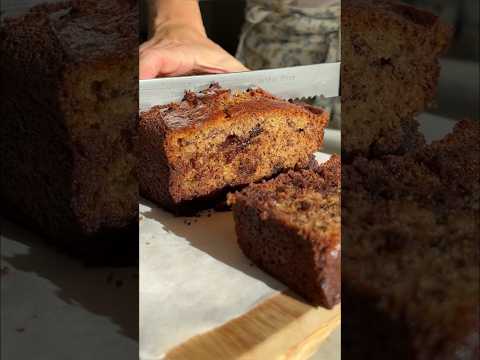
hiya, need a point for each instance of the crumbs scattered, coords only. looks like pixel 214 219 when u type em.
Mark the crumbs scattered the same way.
pixel 209 212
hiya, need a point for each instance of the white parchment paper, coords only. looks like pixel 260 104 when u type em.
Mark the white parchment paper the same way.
pixel 193 276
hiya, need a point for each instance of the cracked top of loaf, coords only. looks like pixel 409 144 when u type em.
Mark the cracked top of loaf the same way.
pixel 82 30
pixel 216 104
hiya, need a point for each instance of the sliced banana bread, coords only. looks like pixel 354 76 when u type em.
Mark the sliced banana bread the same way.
pixel 290 227
pixel 216 140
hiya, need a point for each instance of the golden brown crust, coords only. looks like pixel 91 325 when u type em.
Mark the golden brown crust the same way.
pixel 290 227
pixel 216 140
pixel 215 104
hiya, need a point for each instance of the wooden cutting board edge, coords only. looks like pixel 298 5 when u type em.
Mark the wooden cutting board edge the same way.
pixel 282 327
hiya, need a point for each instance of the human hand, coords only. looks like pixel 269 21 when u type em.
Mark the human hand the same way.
pixel 177 49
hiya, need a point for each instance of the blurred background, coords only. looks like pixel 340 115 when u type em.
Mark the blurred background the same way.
pixel 223 21
pixel 458 90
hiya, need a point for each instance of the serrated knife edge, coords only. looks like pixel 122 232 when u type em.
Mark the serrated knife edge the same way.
pixel 287 83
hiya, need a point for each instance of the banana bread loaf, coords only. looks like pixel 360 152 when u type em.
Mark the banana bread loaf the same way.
pixel 390 70
pixel 215 140
pixel 290 227
pixel 411 250
pixel 69 114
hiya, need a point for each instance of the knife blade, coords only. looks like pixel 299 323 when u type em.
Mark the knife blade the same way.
pixel 287 83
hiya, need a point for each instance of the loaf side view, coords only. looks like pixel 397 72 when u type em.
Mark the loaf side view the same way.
pixel 194 151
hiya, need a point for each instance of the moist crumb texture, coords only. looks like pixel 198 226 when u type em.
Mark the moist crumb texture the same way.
pixel 216 140
pixel 69 117
pixel 290 227
pixel 411 249
pixel 389 71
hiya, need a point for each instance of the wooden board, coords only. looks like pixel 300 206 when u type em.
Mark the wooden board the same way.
pixel 283 327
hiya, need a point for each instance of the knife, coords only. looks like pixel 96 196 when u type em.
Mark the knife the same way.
pixel 287 83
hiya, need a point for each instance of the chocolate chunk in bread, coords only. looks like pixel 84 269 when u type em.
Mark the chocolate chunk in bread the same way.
pixel 216 140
